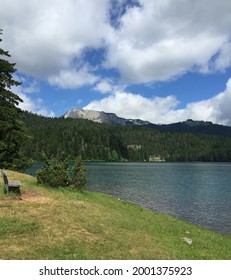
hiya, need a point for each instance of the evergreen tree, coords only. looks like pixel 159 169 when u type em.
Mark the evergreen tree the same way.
pixel 12 130
pixel 95 141
pixel 79 179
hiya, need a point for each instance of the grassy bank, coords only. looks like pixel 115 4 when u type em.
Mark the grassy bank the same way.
pixel 63 224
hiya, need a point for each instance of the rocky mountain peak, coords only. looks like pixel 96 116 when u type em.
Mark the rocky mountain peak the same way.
pixel 102 117
pixel 95 116
pixel 188 126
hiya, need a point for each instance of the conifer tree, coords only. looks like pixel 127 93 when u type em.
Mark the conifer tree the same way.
pixel 79 179
pixel 12 130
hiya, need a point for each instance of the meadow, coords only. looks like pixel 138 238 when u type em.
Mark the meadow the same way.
pixel 50 223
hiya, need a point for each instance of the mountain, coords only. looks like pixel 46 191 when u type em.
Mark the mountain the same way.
pixel 68 137
pixel 102 117
pixel 191 126
pixel 188 126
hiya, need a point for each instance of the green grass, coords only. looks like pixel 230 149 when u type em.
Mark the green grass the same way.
pixel 16 226
pixel 63 224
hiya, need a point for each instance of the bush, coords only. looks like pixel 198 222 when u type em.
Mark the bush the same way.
pixel 56 173
pixel 79 179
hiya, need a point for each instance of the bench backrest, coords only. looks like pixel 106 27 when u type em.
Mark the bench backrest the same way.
pixel 5 179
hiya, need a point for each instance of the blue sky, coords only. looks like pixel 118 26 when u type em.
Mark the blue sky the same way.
pixel 162 61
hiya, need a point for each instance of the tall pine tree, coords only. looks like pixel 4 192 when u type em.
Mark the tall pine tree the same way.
pixel 12 130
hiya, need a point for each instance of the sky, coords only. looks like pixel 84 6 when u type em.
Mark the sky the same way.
pixel 162 61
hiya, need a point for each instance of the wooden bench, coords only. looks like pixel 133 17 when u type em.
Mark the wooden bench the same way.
pixel 11 186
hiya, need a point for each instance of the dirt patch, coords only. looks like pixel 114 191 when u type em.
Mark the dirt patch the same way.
pixel 26 195
pixel 30 195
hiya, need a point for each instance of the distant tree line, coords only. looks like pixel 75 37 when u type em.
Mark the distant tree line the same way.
pixel 61 137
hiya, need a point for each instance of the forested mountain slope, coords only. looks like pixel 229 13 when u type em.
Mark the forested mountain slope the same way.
pixel 192 126
pixel 95 141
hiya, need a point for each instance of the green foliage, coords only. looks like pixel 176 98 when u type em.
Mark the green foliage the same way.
pixel 112 156
pixel 79 179
pixel 12 129
pixel 56 173
pixel 22 163
pixel 95 141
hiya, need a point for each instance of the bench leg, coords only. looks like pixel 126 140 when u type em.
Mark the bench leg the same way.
pixel 15 190
pixel 6 190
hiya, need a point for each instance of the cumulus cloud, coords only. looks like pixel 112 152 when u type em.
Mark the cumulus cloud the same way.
pixel 223 60
pixel 149 40
pixel 35 105
pixel 142 41
pixel 72 78
pixel 45 36
pixel 164 110
pixel 129 105
pixel 223 101
pixel 163 39
pixel 104 86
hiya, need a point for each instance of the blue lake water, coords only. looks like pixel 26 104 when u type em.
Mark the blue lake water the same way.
pixel 197 192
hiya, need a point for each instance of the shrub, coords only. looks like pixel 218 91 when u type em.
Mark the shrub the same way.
pixel 54 173
pixel 79 179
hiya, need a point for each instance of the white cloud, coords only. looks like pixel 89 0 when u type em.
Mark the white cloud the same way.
pixel 164 110
pixel 129 105
pixel 104 86
pixel 72 78
pixel 28 85
pixel 164 39
pixel 223 103
pixel 33 87
pixel 223 60
pixel 35 105
pixel 157 40
pixel 45 36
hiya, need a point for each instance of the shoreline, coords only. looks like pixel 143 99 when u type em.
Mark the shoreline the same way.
pixel 90 225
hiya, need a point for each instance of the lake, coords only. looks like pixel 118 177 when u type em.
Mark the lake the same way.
pixel 197 192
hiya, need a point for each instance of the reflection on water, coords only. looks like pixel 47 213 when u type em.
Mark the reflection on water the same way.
pixel 197 192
